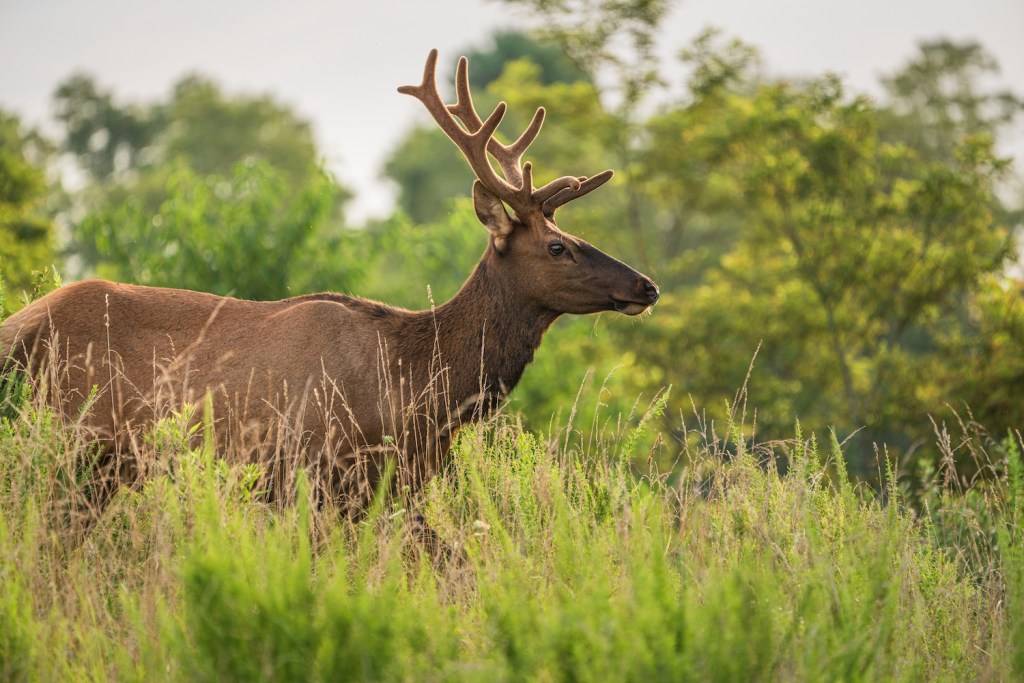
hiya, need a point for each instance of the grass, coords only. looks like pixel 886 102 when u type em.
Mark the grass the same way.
pixel 743 562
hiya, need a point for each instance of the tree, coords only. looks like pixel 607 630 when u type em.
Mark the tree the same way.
pixel 429 172
pixel 990 349
pixel 935 101
pixel 216 193
pixel 27 242
pixel 509 46
pixel 607 35
pixel 849 260
pixel 106 138
pixel 243 234
pixel 213 132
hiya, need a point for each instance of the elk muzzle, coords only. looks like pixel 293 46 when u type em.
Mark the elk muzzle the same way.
pixel 644 294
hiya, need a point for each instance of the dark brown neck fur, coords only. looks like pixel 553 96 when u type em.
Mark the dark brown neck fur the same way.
pixel 488 310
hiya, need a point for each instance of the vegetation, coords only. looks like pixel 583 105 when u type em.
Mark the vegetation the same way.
pixel 203 191
pixel 244 233
pixel 27 235
pixel 864 520
pixel 748 562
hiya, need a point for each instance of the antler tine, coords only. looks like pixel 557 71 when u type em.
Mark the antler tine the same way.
pixel 463 107
pixel 472 143
pixel 526 185
pixel 429 69
pixel 569 193
pixel 557 185
pixel 509 157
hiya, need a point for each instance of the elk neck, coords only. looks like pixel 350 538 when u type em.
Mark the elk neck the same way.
pixel 487 333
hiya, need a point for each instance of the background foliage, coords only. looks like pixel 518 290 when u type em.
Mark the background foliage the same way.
pixel 204 191
pixel 27 235
pixel 847 506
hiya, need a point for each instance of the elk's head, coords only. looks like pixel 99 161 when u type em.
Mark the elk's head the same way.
pixel 554 269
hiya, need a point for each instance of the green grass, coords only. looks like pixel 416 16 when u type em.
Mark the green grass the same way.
pixel 743 563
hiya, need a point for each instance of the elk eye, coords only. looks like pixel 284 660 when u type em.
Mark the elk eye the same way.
pixel 556 248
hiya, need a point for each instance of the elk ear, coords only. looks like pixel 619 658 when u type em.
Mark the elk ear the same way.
pixel 492 214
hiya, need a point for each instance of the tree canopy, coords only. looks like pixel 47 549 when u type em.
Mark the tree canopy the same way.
pixel 205 190
pixel 27 235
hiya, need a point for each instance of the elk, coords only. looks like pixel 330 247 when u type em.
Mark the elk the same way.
pixel 350 381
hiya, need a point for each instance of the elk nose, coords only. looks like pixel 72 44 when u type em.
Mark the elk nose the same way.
pixel 651 290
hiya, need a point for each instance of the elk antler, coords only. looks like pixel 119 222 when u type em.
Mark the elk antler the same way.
pixel 475 139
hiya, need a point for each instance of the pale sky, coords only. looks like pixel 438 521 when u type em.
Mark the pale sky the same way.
pixel 339 63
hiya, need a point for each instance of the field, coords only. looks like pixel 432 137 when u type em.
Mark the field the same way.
pixel 573 559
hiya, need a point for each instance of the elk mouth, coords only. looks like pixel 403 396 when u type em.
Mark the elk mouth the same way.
pixel 641 296
pixel 629 307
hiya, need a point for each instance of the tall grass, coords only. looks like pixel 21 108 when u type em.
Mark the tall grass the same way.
pixel 569 564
